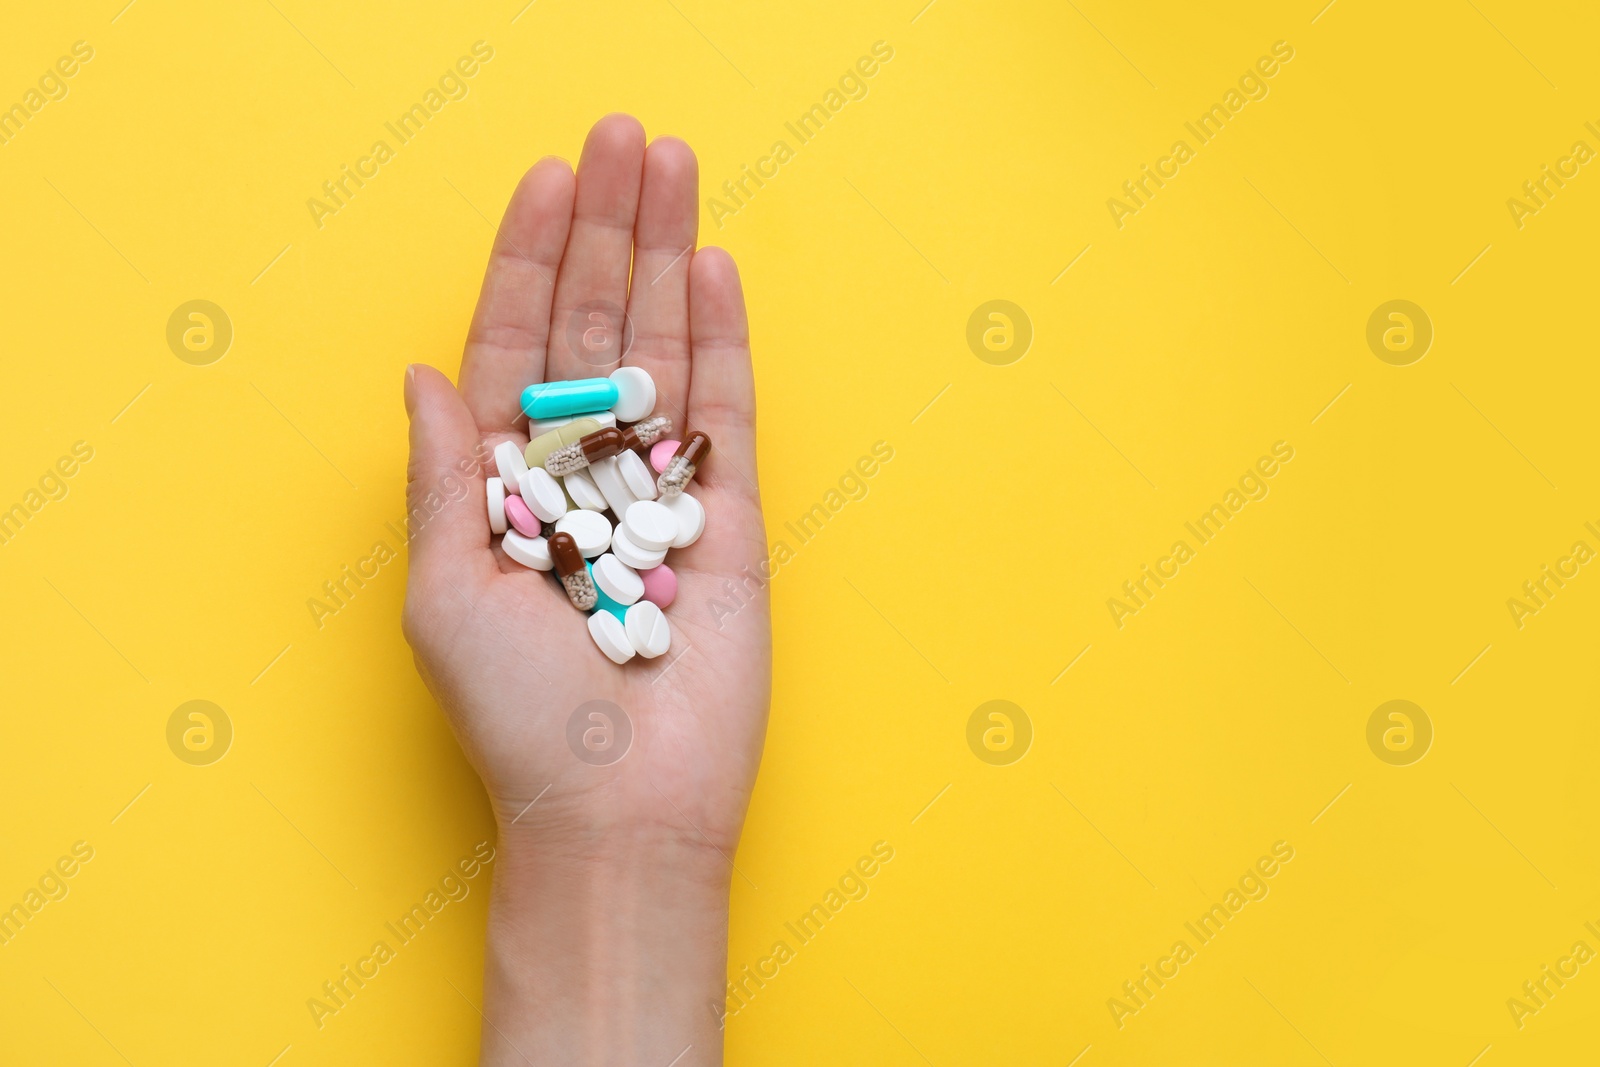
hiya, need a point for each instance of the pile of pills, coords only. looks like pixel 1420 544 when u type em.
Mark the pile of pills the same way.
pixel 581 501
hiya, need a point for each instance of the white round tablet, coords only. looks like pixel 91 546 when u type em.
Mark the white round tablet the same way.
pixel 609 634
pixel 609 481
pixel 590 529
pixel 650 525
pixel 617 580
pixel 497 505
pixel 529 551
pixel 636 393
pixel 647 630
pixel 543 495
pixel 508 460
pixel 636 476
pixel 639 559
pixel 584 492
pixel 691 518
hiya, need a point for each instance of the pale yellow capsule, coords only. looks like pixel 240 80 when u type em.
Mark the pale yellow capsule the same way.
pixel 546 443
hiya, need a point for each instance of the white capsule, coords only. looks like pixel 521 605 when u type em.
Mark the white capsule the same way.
pixel 650 525
pixel 589 529
pixel 543 494
pixel 691 516
pixel 639 559
pixel 636 476
pixel 647 629
pixel 583 491
pixel 508 459
pixel 609 481
pixel 540 427
pixel 609 634
pixel 529 551
pixel 617 580
pixel 497 505
pixel 636 393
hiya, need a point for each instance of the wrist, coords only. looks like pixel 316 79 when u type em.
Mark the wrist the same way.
pixel 606 948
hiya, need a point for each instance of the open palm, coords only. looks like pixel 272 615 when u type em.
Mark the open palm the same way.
pixel 499 645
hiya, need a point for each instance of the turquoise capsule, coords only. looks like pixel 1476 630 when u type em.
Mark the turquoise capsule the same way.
pixel 552 400
pixel 605 603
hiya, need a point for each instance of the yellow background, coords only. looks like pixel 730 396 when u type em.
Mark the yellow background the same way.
pixel 1225 716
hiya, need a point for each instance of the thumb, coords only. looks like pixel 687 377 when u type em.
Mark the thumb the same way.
pixel 446 521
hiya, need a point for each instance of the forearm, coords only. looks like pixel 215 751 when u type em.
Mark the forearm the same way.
pixel 610 955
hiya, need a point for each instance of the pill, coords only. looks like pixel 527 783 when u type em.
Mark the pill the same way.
pixel 604 443
pixel 508 460
pixel 681 467
pixel 609 481
pixel 573 571
pixel 617 580
pixel 636 393
pixel 552 399
pixel 611 637
pixel 691 516
pixel 522 520
pixel 529 551
pixel 546 443
pixel 661 452
pixel 540 427
pixel 583 491
pixel 647 630
pixel 650 525
pixel 497 505
pixel 605 603
pixel 636 476
pixel 589 529
pixel 543 494
pixel 640 559
pixel 660 585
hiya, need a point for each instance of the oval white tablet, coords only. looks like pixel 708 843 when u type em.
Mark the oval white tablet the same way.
pixel 636 476
pixel 529 551
pixel 589 529
pixel 650 525
pixel 497 505
pixel 639 559
pixel 691 518
pixel 609 481
pixel 609 634
pixel 617 580
pixel 508 460
pixel 647 630
pixel 543 495
pixel 636 393
pixel 584 492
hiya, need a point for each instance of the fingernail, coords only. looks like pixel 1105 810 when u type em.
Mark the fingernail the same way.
pixel 411 388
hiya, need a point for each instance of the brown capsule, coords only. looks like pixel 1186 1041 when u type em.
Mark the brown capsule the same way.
pixel 695 448
pixel 574 575
pixel 605 443
pixel 565 555
pixel 685 461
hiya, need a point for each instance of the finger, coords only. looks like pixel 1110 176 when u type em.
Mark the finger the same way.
pixel 445 518
pixel 658 301
pixel 594 269
pixel 506 344
pixel 722 394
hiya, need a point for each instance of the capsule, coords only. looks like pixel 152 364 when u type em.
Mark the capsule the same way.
pixel 574 575
pixel 605 443
pixel 550 400
pixel 684 462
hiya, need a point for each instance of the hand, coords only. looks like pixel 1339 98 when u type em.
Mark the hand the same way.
pixel 508 657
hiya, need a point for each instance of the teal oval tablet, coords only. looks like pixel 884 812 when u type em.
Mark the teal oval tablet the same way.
pixel 583 396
